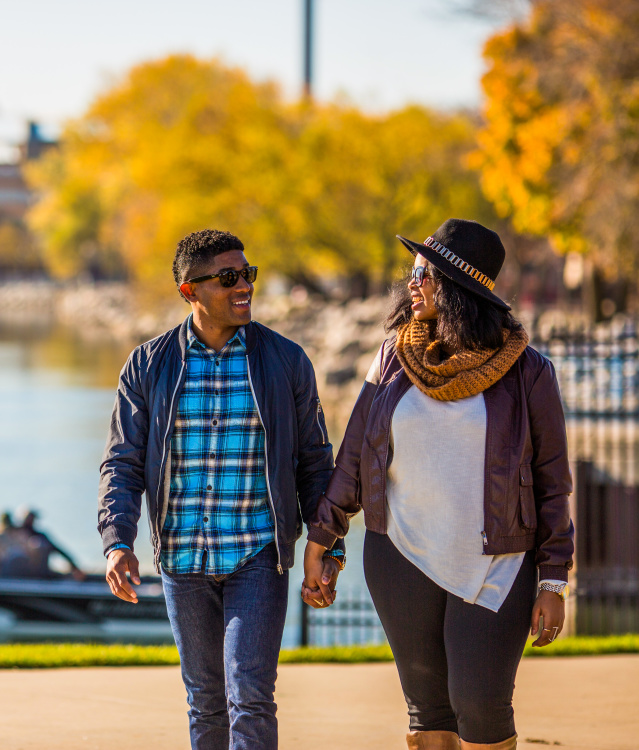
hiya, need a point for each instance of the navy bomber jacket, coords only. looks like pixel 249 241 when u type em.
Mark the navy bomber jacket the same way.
pixel 299 457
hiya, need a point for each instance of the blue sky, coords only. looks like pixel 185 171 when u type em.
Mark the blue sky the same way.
pixel 381 54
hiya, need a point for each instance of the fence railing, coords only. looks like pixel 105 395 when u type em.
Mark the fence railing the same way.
pixel 351 620
pixel 598 373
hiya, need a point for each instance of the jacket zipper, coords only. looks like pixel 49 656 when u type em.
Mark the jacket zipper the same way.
pixel 485 538
pixel 162 467
pixel 319 424
pixel 268 481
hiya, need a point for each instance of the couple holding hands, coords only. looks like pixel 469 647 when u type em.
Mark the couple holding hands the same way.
pixel 455 451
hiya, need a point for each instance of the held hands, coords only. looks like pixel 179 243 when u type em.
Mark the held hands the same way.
pixel 119 563
pixel 320 577
pixel 551 607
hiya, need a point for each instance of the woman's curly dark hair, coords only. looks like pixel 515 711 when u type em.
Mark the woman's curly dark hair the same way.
pixel 464 320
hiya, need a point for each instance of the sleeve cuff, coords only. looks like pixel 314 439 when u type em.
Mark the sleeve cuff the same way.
pixel 553 572
pixel 115 546
pixel 321 536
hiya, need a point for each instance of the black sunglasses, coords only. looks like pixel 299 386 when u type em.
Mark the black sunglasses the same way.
pixel 420 274
pixel 229 278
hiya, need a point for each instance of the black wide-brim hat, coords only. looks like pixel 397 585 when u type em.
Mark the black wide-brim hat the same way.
pixel 468 253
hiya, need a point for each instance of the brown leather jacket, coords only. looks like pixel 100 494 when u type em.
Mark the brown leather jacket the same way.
pixel 526 480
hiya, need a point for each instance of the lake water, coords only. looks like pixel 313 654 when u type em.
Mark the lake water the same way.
pixel 56 396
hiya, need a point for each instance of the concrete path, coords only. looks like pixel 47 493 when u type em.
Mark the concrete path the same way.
pixel 588 703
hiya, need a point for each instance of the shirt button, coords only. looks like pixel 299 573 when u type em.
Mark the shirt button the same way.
pixel 209 487
pixel 215 421
pixel 206 519
pixel 212 455
pixel 217 364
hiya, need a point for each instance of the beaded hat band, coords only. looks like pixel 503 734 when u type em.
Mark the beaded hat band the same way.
pixel 458 262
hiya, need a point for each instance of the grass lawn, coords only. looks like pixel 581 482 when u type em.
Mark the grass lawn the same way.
pixel 47 655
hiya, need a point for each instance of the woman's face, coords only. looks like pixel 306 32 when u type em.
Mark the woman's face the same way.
pixel 423 304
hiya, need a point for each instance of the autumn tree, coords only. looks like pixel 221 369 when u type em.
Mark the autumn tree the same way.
pixel 313 190
pixel 363 179
pixel 179 145
pixel 18 252
pixel 559 152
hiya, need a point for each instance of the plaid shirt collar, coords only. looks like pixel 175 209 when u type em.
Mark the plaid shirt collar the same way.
pixel 193 341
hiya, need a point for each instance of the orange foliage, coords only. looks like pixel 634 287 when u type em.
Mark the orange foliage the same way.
pixel 559 152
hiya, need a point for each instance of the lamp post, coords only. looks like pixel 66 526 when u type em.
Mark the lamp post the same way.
pixel 308 49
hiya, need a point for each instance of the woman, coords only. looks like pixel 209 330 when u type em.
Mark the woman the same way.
pixel 456 452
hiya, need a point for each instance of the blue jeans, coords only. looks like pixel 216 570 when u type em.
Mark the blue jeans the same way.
pixel 228 630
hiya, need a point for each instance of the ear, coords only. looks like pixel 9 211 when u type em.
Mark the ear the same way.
pixel 188 290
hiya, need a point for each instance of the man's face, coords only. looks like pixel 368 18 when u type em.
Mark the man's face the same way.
pixel 222 306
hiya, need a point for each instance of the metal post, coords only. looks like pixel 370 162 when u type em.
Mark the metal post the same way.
pixel 304 624
pixel 308 48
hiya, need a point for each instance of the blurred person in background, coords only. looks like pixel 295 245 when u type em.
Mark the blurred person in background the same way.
pixel 219 421
pixel 25 551
pixel 13 554
pixel 456 451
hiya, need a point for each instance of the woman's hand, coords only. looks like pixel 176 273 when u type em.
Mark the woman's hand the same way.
pixel 320 577
pixel 552 608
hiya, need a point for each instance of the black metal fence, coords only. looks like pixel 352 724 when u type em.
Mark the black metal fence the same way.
pixel 598 372
pixel 351 620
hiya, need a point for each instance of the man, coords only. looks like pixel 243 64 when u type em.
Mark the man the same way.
pixel 219 422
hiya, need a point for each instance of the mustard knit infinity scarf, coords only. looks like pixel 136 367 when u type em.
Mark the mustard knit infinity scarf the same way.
pixel 463 374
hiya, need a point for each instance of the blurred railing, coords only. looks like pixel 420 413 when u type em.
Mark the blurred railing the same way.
pixel 351 620
pixel 598 372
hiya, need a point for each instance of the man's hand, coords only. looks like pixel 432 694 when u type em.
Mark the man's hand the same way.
pixel 551 608
pixel 320 577
pixel 119 563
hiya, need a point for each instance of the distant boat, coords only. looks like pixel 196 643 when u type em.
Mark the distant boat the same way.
pixel 65 609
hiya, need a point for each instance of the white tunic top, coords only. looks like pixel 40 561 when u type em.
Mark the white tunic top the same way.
pixel 435 495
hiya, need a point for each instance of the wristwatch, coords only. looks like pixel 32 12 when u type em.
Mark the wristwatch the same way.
pixel 561 589
pixel 338 555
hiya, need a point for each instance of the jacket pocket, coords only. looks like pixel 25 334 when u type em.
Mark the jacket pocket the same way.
pixel 527 512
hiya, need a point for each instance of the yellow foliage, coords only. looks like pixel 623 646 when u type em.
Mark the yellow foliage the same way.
pixel 182 144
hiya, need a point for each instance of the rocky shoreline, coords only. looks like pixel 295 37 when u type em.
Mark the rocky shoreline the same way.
pixel 340 338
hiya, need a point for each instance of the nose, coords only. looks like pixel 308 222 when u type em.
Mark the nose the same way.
pixel 243 284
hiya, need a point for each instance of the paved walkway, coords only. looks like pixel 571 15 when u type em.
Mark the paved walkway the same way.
pixel 573 704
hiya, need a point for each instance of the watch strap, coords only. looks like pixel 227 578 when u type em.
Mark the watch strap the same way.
pixel 338 555
pixel 556 588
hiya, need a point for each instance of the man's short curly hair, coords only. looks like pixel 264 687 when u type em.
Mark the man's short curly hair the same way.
pixel 197 249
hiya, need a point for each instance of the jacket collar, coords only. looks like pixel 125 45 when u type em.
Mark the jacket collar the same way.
pixel 250 330
pixel 183 337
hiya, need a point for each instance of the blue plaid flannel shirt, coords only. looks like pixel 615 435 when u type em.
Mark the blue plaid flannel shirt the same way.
pixel 219 513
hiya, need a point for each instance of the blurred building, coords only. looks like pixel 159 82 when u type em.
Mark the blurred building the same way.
pixel 19 255
pixel 15 196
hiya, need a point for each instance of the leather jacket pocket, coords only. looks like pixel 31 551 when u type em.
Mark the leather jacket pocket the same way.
pixel 527 512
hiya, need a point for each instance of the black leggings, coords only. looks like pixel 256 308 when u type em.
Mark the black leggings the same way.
pixel 456 661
